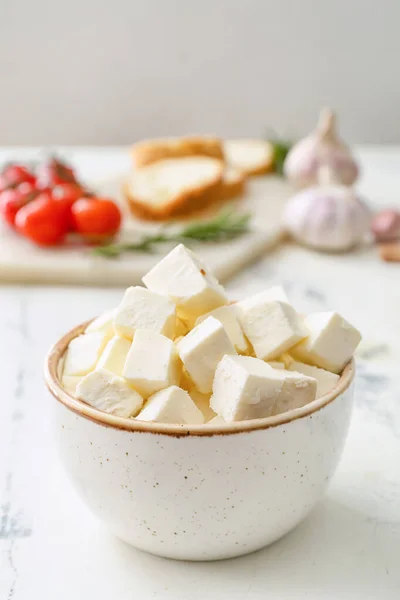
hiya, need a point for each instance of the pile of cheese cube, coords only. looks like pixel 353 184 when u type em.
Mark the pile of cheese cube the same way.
pixel 176 351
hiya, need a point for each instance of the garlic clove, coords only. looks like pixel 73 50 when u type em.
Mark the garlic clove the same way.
pixel 321 147
pixel 329 217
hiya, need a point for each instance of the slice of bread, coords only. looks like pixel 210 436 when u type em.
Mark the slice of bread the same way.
pixel 150 151
pixel 173 187
pixel 253 157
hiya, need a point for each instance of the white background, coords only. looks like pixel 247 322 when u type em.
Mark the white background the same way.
pixel 112 71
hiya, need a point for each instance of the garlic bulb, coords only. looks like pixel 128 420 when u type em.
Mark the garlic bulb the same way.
pixel 321 147
pixel 327 217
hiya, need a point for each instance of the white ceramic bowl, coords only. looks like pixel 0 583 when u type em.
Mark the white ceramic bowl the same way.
pixel 200 492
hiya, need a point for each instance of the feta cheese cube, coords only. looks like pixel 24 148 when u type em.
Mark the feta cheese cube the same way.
pixel 297 390
pixel 248 388
pixel 330 344
pixel 188 282
pixel 172 405
pixel 69 383
pixel 271 326
pixel 228 316
pixel 326 381
pixel 104 322
pixel 109 393
pixel 114 355
pixel 83 353
pixel 202 349
pixel 142 309
pixel 202 401
pixel 152 363
pixel 244 388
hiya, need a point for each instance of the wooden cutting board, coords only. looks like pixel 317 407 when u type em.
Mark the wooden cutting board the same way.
pixel 20 261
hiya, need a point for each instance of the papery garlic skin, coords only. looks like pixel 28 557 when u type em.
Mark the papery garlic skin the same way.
pixel 321 147
pixel 328 217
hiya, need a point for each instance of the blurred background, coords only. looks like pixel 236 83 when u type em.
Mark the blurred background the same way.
pixel 111 72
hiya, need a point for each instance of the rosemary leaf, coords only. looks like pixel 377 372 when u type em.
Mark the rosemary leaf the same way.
pixel 225 226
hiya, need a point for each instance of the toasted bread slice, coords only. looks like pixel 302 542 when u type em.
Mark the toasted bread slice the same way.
pixel 150 151
pixel 173 187
pixel 232 185
pixel 253 157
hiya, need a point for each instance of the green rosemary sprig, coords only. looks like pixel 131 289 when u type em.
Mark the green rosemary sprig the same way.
pixel 225 226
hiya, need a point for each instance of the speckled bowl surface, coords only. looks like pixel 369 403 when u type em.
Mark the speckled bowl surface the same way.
pixel 200 492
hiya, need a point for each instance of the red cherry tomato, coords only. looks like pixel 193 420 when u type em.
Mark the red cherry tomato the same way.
pixel 53 172
pixel 14 174
pixel 13 199
pixel 96 218
pixel 43 221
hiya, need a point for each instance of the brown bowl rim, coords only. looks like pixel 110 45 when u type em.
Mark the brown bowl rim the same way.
pixel 53 383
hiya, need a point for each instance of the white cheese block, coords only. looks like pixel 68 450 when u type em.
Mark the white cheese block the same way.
pixel 326 381
pixel 227 315
pixel 142 309
pixel 114 355
pixel 275 364
pixel 188 282
pixel 330 344
pixel 104 322
pixel 248 388
pixel 244 388
pixel 271 326
pixel 297 390
pixel 83 353
pixel 109 393
pixel 152 363
pixel 172 405
pixel 202 401
pixel 202 349
pixel 69 383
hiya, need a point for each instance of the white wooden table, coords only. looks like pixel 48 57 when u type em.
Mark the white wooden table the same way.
pixel 52 548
